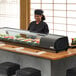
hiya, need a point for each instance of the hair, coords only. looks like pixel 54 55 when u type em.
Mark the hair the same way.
pixel 40 12
pixel 43 18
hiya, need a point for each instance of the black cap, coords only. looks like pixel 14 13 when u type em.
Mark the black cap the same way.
pixel 38 12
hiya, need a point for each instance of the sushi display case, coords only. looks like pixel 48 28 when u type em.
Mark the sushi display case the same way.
pixel 48 41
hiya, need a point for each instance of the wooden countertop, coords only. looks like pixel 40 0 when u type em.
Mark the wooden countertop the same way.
pixel 36 52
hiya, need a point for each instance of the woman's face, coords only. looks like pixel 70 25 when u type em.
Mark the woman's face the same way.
pixel 38 17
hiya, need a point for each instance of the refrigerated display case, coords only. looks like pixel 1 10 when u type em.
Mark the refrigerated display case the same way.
pixel 26 38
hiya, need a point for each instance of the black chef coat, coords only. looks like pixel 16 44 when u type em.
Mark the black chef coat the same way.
pixel 42 27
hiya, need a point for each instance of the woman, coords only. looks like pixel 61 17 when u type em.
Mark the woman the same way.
pixel 38 25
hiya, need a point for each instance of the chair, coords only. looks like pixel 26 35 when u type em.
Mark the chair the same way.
pixel 8 68
pixel 71 72
pixel 28 72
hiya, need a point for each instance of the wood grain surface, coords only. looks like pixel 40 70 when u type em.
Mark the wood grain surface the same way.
pixel 37 52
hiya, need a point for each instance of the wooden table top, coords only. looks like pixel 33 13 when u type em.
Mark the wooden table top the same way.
pixel 36 52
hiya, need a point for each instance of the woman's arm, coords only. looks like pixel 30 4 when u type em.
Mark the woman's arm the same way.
pixel 46 29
